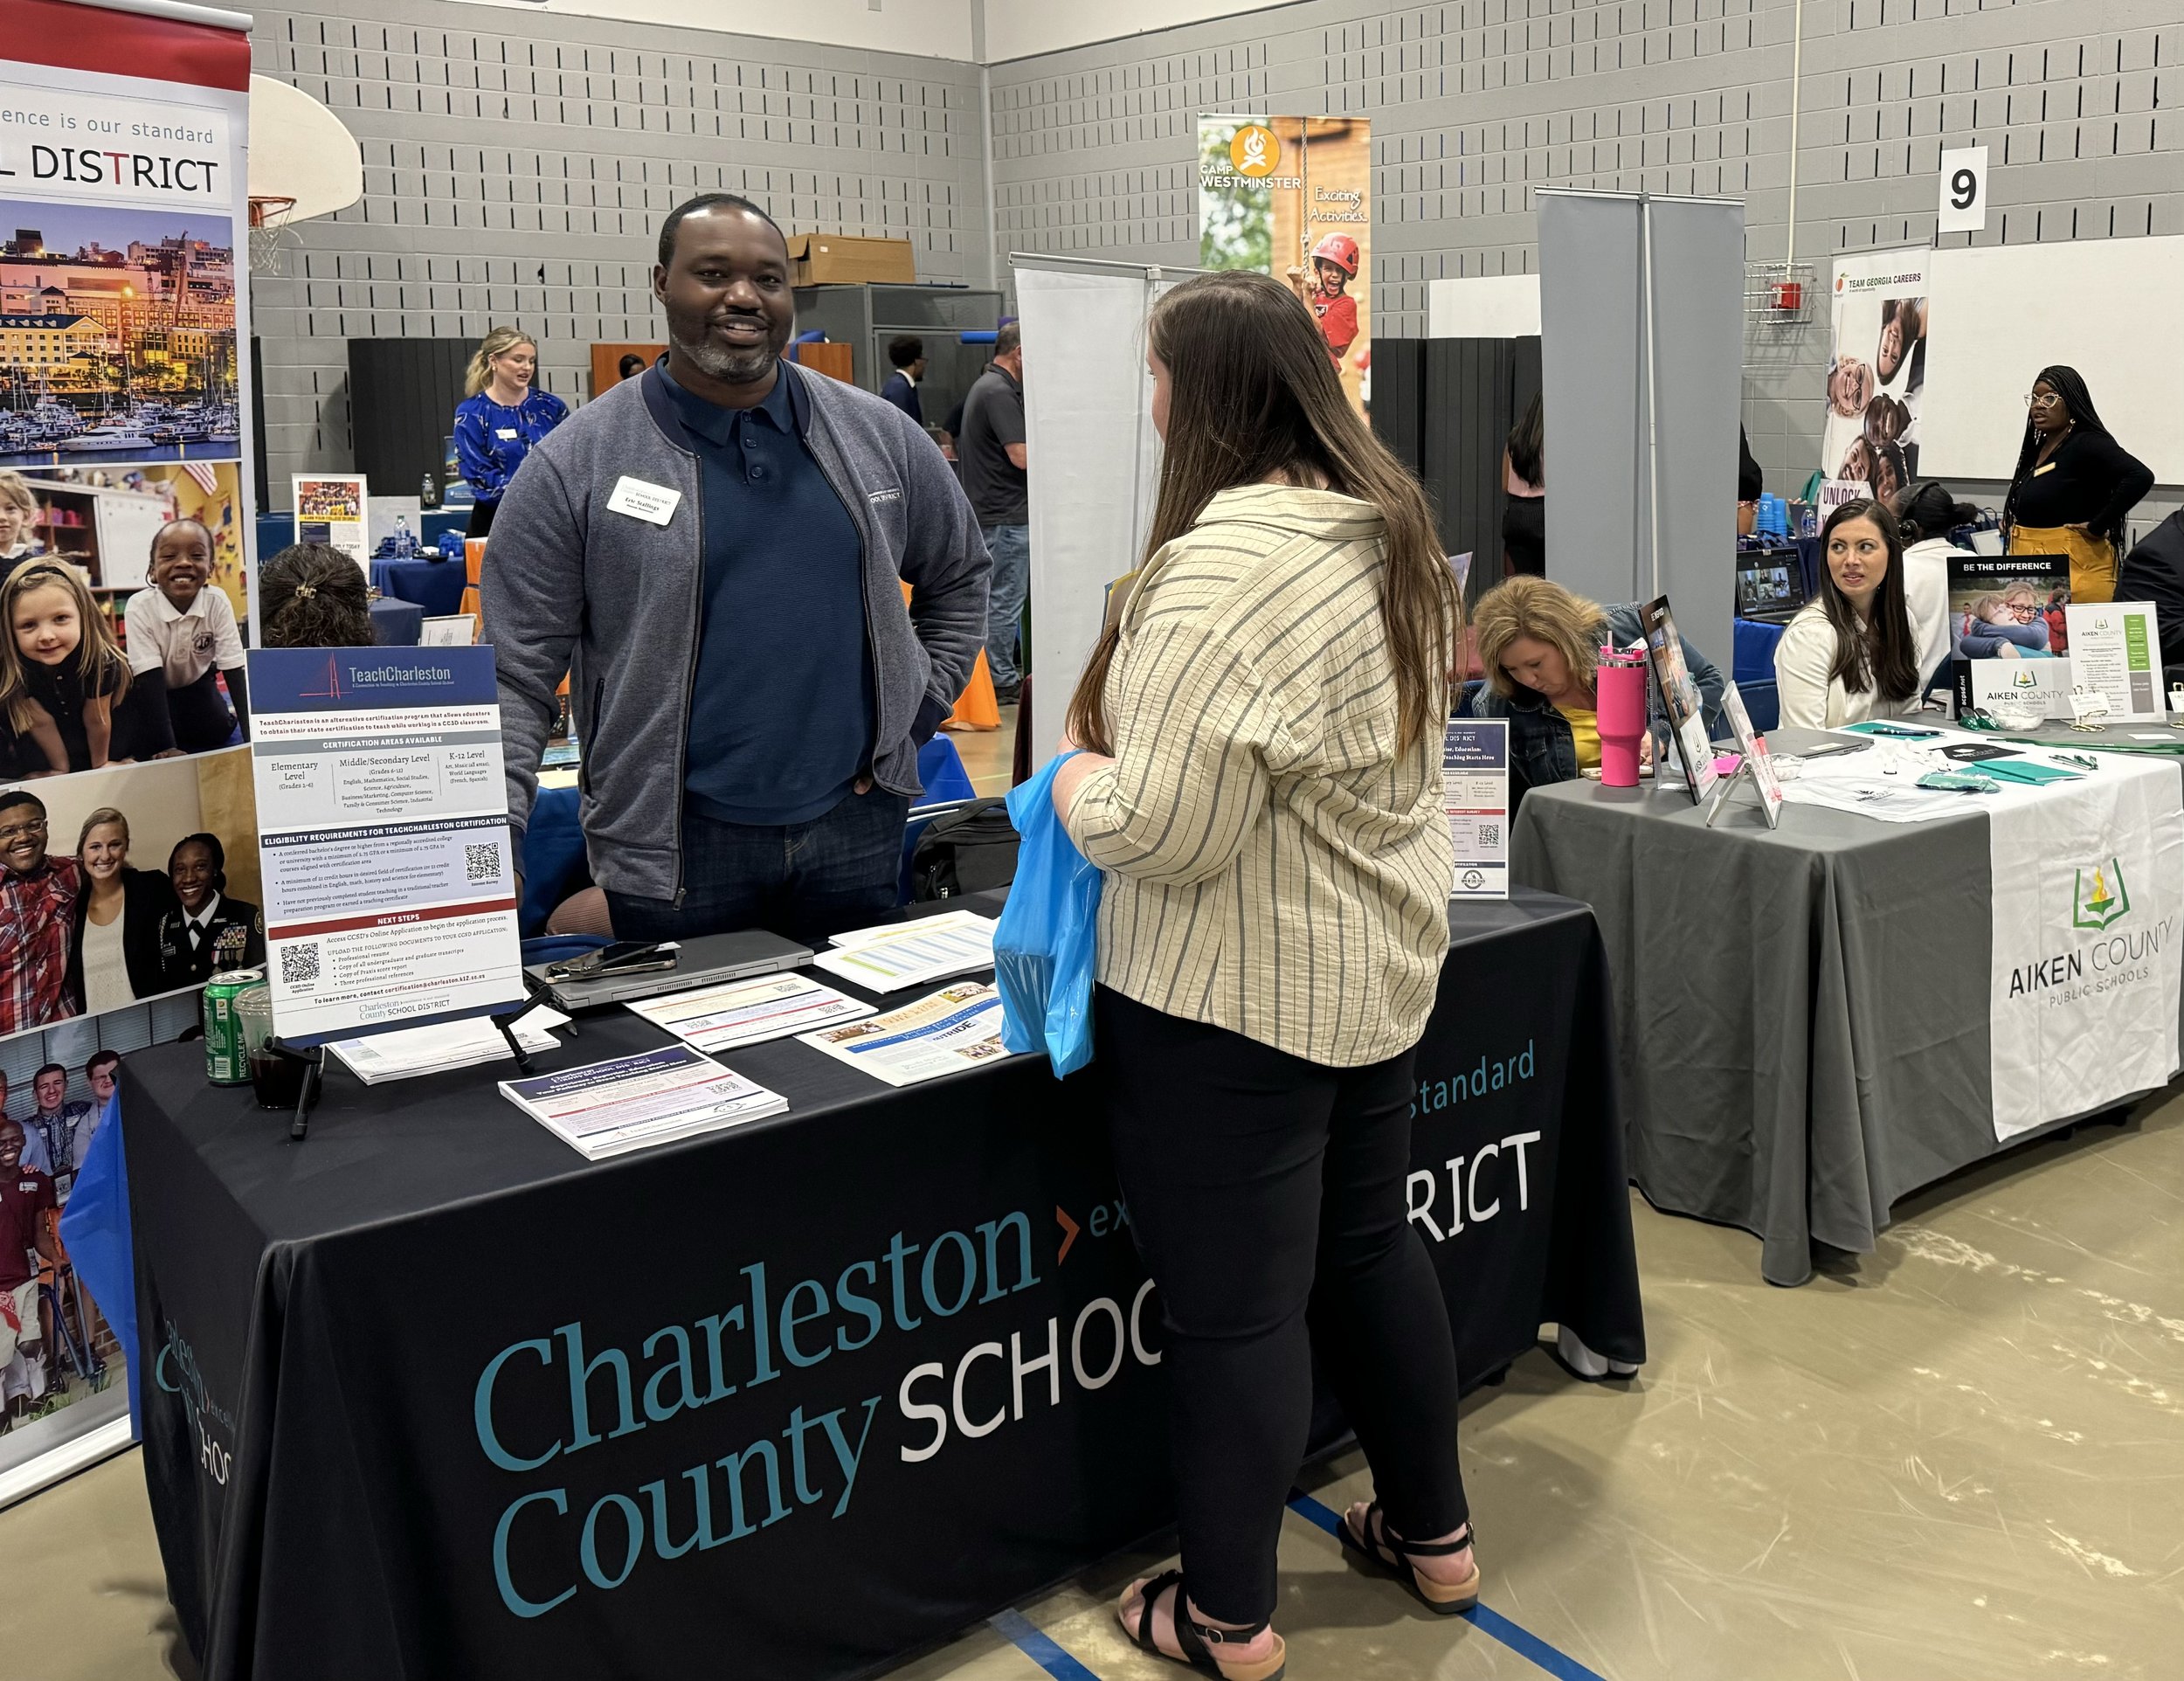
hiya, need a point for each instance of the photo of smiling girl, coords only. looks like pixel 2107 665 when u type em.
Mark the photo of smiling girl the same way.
pixel 184 640
pixel 59 671
pixel 64 683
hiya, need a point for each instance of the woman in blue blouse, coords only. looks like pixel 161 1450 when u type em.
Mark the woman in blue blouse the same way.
pixel 502 416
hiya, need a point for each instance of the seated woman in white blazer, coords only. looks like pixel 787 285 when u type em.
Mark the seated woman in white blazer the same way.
pixel 1851 654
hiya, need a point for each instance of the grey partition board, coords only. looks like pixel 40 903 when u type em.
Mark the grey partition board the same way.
pixel 1591 325
pixel 1698 247
pixel 1593 376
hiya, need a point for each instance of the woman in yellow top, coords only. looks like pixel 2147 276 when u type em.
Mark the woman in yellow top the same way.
pixel 1541 645
pixel 1263 791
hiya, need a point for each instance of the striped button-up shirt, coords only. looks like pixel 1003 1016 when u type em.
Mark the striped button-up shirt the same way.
pixel 1275 866
pixel 37 915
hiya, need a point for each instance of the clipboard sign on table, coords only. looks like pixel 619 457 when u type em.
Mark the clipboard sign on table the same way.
pixel 1755 763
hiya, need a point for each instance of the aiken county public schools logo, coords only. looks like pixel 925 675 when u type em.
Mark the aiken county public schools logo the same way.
pixel 2101 900
pixel 1254 151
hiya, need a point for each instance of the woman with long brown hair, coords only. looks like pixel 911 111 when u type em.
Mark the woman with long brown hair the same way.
pixel 1852 654
pixel 1263 791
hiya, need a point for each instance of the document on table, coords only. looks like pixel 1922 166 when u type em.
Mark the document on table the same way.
pixel 957 1027
pixel 1475 800
pixel 2116 649
pixel 749 1011
pixel 911 954
pixel 410 1051
pixel 632 1103
pixel 384 845
pixel 1891 800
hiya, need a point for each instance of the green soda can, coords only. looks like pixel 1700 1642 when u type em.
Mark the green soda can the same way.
pixel 226 1058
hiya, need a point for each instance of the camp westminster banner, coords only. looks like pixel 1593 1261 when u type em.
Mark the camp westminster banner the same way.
pixel 2088 917
pixel 1877 369
pixel 1292 197
pixel 128 857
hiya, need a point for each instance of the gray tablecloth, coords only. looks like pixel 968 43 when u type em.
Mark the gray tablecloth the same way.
pixel 1803 1013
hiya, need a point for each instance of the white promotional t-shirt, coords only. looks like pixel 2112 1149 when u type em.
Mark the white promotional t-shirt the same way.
pixel 185 643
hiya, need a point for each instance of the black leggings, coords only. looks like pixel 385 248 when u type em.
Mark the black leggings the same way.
pixel 1265 1193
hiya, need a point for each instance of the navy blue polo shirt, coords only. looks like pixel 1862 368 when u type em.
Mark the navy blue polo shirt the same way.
pixel 781 715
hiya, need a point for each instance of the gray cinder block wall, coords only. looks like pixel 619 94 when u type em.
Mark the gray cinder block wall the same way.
pixel 1476 103
pixel 517 167
pixel 523 145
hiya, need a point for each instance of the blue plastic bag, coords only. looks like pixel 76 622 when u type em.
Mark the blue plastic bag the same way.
pixel 1046 944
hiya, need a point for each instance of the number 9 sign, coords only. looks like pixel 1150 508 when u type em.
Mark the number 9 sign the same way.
pixel 1963 191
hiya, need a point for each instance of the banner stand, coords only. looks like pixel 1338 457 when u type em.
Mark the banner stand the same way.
pixel 136 424
pixel 1088 421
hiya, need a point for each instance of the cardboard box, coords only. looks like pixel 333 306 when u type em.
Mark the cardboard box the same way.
pixel 841 259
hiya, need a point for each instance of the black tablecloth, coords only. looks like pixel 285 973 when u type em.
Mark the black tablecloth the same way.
pixel 858 1375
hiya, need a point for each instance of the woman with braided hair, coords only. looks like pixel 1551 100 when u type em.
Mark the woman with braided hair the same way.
pixel 2073 486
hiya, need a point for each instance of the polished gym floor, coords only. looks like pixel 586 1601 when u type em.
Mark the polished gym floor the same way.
pixel 1960 1458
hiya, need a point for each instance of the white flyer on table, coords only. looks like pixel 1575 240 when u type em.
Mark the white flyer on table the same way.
pixel 911 954
pixel 2116 647
pixel 629 1102
pixel 410 1051
pixel 1474 798
pixel 750 1012
pixel 957 1029
pixel 384 839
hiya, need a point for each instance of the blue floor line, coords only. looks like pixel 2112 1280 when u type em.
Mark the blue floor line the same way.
pixel 1038 1646
pixel 1521 1640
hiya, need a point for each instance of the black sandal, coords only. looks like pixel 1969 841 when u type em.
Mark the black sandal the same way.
pixel 1443 1598
pixel 1197 1640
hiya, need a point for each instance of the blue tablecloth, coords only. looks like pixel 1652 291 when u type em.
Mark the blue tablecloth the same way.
pixel 397 624
pixel 435 586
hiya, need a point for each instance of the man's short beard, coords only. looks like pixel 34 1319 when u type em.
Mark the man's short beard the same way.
pixel 732 367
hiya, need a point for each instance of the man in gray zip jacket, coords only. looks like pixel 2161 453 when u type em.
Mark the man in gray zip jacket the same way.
pixel 714 552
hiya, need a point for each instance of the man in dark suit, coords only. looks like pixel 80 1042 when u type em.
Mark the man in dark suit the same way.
pixel 908 355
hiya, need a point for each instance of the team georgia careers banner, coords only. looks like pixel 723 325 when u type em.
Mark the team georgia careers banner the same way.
pixel 1876 371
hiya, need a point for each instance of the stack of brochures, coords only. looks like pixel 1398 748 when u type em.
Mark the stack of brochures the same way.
pixel 409 1052
pixel 633 1102
pixel 888 958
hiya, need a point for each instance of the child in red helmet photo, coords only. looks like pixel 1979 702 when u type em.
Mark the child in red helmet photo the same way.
pixel 1334 265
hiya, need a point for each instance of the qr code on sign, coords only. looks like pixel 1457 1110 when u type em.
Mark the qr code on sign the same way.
pixel 1489 835
pixel 482 863
pixel 300 964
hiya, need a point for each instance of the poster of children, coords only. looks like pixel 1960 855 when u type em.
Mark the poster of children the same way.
pixel 1877 373
pixel 1292 197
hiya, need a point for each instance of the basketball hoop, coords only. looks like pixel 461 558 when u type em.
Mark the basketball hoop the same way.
pixel 270 239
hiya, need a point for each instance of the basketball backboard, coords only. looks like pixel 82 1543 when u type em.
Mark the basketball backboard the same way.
pixel 300 150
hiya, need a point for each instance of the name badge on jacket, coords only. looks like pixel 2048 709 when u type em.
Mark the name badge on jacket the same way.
pixel 653 503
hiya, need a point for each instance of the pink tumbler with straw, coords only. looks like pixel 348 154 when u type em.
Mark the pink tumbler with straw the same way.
pixel 1619 690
